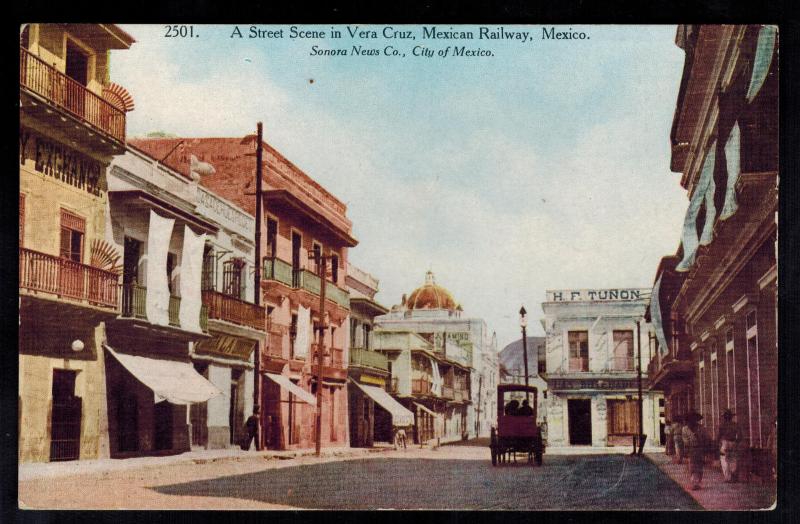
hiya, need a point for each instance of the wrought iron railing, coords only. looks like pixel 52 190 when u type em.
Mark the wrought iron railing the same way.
pixel 134 305
pixel 421 386
pixel 277 269
pixel 66 278
pixel 367 358
pixel 45 80
pixel 231 309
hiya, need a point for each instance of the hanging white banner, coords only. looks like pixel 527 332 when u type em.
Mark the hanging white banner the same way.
pixel 191 272
pixel 158 237
pixel 303 338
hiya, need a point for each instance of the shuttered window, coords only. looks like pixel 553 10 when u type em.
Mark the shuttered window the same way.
pixel 73 228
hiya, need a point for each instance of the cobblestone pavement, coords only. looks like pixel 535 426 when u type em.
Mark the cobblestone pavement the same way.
pixel 458 477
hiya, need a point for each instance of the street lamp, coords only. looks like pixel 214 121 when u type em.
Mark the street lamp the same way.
pixel 523 323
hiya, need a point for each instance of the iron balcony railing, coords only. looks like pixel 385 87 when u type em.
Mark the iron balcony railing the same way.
pixel 231 309
pixel 448 392
pixel 134 305
pixel 66 278
pixel 41 78
pixel 421 386
pixel 622 364
pixel 280 271
pixel 367 358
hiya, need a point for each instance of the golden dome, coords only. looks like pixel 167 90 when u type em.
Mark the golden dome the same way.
pixel 431 296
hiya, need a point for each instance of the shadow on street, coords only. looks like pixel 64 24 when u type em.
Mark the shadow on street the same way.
pixel 603 482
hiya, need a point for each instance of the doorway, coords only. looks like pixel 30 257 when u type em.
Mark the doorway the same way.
pixel 579 412
pixel 65 422
pixel 198 413
pixel 162 419
pixel 296 243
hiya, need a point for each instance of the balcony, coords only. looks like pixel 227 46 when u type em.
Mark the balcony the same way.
pixel 448 392
pixel 67 279
pixel 622 364
pixel 231 309
pixel 421 386
pixel 134 300
pixel 44 80
pixel 277 270
pixel 366 358
pixel 579 364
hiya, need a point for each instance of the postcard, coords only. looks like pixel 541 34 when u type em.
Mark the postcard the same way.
pixel 347 267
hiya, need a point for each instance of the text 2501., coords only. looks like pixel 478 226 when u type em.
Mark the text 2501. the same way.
pixel 180 31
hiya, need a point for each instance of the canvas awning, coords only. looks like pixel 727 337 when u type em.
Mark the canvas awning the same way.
pixel 291 387
pixel 176 382
pixel 433 413
pixel 401 416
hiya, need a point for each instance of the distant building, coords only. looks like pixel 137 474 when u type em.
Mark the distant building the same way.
pixel 592 352
pixel 444 366
pixel 512 368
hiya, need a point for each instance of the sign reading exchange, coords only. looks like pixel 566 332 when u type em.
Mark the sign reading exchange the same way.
pixel 593 295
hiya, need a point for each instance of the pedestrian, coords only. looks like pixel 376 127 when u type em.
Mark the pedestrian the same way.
pixel 669 449
pixel 729 437
pixel 695 441
pixel 525 410
pixel 252 429
pixel 400 438
pixel 512 407
pixel 677 437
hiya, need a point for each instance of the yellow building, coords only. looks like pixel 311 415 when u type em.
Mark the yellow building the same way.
pixel 72 122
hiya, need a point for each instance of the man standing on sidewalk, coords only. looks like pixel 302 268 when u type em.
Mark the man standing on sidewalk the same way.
pixel 729 437
pixel 252 430
pixel 677 436
pixel 695 440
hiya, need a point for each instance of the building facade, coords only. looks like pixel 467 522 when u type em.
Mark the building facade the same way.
pixel 594 341
pixel 714 302
pixel 72 123
pixel 300 219
pixel 370 421
pixel 465 346
pixel 154 225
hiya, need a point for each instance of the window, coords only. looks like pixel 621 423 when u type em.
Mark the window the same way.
pixel 24 37
pixel 317 248
pixel 272 237
pixel 233 282
pixel 208 280
pixel 171 263
pixel 73 228
pixel 292 335
pixel 578 350
pixel 623 351
pixel 730 370
pixel 753 380
pixel 702 387
pixel 367 338
pixel 335 269
pixel 77 64
pixel 714 387
pixel 21 216
pixel 353 328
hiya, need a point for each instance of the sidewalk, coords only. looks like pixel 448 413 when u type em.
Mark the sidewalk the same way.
pixel 39 470
pixel 714 492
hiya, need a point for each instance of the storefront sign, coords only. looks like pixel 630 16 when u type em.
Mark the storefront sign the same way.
pixel 590 383
pixel 594 295
pixel 60 162
pixel 227 346
pixel 375 381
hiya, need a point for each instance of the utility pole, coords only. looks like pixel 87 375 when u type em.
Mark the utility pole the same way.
pixel 257 288
pixel 320 349
pixel 524 324
pixel 642 436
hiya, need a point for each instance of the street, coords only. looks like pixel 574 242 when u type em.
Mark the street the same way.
pixel 457 477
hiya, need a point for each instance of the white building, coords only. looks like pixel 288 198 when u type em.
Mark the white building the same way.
pixel 431 312
pixel 591 361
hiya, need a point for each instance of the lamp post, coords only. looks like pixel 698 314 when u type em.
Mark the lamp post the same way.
pixel 257 286
pixel 642 436
pixel 523 323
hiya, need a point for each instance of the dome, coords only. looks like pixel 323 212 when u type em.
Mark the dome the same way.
pixel 431 296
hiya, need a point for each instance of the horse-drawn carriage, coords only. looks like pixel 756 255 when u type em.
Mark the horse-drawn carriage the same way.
pixel 516 432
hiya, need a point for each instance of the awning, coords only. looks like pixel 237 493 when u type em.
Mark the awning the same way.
pixel 292 388
pixel 176 382
pixel 401 416
pixel 426 409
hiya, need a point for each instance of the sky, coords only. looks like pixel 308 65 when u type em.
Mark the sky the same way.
pixel 544 166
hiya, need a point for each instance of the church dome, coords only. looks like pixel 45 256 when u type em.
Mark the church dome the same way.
pixel 431 296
